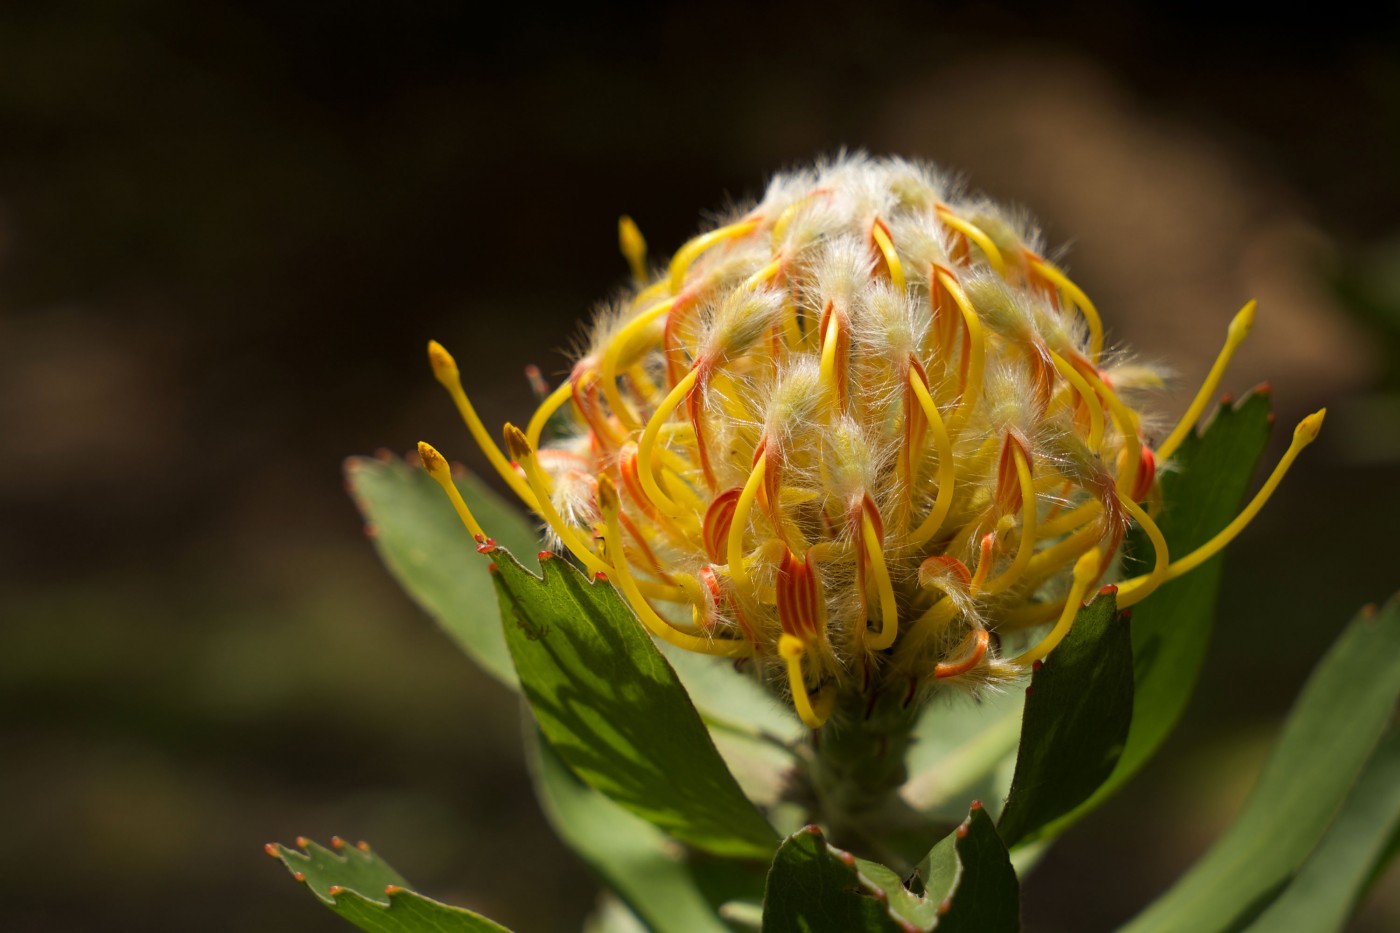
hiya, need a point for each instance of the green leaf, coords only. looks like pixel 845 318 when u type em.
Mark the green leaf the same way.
pixel 661 884
pixel 1331 884
pixel 361 887
pixel 1327 739
pixel 612 707
pixel 1078 708
pixel 1172 627
pixel 967 886
pixel 969 876
pixel 420 538
pixel 813 888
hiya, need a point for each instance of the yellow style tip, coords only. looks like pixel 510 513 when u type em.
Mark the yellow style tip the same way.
pixel 433 461
pixel 632 244
pixel 1307 430
pixel 1243 322
pixel 517 445
pixel 607 495
pixel 790 647
pixel 444 366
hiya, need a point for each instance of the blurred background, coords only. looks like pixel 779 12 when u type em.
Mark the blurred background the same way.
pixel 227 231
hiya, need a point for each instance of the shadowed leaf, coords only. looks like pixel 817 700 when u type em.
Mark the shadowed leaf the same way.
pixel 1078 707
pixel 614 710
pixel 813 888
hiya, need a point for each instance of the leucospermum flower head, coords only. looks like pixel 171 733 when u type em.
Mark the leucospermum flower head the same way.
pixel 862 432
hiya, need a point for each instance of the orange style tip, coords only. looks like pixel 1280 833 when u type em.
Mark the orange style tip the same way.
pixel 543 556
pixel 1030 690
pixel 601 577
pixel 976 805
pixel 444 366
pixel 848 858
pixel 1265 389
pixel 392 889
pixel 272 850
pixel 516 443
pixel 1269 419
pixel 335 890
pixel 337 842
pixel 1307 430
pixel 1037 665
pixel 812 829
pixel 303 842
pixel 485 545
pixel 299 876
pixel 963 831
pixel 945 905
pixel 362 846
pixel 1108 589
pixel 1227 398
pixel 433 461
pixel 1127 614
pixel 492 568
pixel 607 495
pixel 384 455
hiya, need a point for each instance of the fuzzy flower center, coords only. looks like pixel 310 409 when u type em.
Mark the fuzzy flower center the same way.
pixel 862 432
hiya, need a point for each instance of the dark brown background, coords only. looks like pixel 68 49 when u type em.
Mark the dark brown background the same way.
pixel 227 230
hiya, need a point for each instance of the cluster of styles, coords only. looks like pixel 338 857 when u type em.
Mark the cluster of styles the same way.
pixel 863 434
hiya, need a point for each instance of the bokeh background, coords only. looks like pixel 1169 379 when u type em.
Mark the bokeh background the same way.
pixel 227 230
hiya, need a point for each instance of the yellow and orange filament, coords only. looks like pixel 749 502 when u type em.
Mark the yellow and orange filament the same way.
pixel 854 435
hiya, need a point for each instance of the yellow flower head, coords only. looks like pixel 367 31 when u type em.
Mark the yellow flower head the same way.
pixel 863 431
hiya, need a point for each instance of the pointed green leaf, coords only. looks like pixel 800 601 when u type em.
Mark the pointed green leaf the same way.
pixel 968 886
pixel 1324 894
pixel 1172 627
pixel 361 887
pixel 420 538
pixel 1078 708
pixel 614 710
pixel 662 884
pixel 813 888
pixel 1338 720
pixel 970 879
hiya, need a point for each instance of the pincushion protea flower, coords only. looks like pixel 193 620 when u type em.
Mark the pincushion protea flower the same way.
pixel 863 433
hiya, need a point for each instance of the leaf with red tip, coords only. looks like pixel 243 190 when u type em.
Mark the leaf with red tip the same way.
pixel 433 556
pixel 969 877
pixel 811 889
pixel 1078 708
pixel 362 888
pixel 964 885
